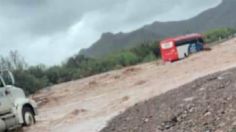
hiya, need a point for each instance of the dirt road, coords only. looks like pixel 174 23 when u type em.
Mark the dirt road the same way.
pixel 87 105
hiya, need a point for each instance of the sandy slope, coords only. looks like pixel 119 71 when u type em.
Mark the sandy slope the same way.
pixel 88 104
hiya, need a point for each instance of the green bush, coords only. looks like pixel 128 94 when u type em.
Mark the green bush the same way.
pixel 149 57
pixel 28 82
pixel 218 34
pixel 124 58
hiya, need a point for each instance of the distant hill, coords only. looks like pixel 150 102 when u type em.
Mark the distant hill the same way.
pixel 221 16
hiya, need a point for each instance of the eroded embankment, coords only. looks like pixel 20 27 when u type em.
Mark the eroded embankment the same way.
pixel 207 104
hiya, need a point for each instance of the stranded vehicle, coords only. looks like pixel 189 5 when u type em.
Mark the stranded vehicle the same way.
pixel 173 49
pixel 16 109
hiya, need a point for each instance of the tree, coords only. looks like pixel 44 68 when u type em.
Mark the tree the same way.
pixel 14 61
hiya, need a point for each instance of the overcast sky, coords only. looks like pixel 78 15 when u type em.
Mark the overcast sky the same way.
pixel 49 31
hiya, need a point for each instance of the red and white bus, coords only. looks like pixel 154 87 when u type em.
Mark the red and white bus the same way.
pixel 180 47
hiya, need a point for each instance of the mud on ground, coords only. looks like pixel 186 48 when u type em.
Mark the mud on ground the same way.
pixel 207 104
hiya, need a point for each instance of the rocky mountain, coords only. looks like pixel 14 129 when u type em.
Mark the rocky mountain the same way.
pixel 221 16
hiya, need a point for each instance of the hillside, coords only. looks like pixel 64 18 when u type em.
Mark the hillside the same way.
pixel 220 16
pixel 88 104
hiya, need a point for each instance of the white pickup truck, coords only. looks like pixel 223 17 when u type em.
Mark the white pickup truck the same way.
pixel 16 109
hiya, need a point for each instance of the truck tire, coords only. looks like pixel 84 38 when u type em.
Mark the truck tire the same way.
pixel 28 116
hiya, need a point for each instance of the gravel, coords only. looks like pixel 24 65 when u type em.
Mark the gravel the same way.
pixel 207 104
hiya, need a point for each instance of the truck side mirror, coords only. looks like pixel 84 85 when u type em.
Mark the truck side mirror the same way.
pixel 12 78
pixel 7 77
pixel 2 83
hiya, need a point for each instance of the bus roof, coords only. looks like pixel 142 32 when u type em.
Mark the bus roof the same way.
pixel 183 37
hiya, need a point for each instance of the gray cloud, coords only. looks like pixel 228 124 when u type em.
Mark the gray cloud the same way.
pixel 48 31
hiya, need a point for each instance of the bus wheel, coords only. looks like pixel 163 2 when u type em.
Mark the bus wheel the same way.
pixel 186 55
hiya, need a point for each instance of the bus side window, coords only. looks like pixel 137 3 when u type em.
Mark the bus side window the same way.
pixel 201 40
pixel 200 44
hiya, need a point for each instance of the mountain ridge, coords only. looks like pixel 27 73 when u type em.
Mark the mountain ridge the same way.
pixel 217 17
